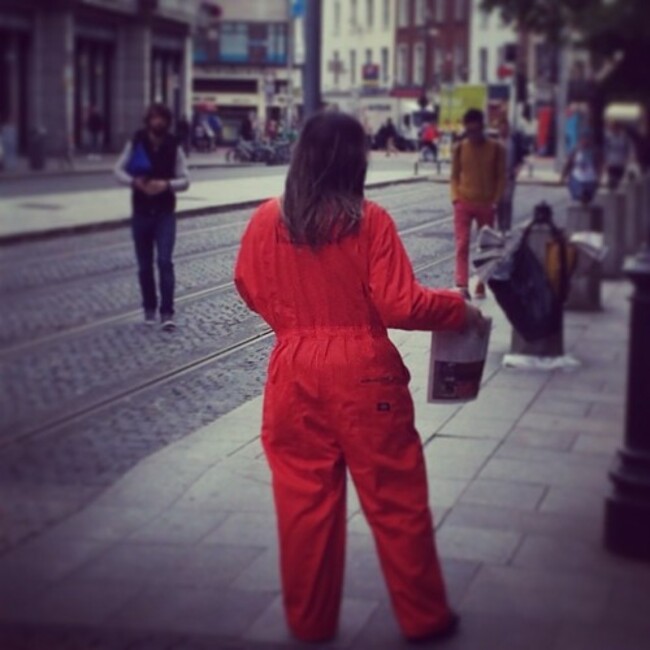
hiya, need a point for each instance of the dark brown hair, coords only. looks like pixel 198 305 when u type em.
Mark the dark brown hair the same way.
pixel 158 109
pixel 323 195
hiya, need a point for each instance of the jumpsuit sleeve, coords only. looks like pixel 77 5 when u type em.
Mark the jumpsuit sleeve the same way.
pixel 400 300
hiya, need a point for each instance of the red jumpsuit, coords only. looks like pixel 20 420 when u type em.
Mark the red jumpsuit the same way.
pixel 337 397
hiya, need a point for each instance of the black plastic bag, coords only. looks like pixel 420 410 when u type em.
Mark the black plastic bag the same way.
pixel 522 289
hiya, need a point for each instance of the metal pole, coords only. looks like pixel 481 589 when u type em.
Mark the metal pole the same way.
pixel 561 106
pixel 627 508
pixel 311 74
pixel 290 46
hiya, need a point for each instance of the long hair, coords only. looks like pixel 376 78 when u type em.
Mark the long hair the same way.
pixel 323 195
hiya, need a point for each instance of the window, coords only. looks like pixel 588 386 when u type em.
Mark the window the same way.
pixel 418 64
pixel 353 67
pixel 368 55
pixel 233 43
pixel 370 13
pixel 483 64
pixel 403 13
pixel 485 19
pixel 459 61
pixel 336 66
pixel 337 17
pixel 384 65
pixel 420 12
pixel 276 41
pixel 402 64
pixel 440 10
pixel 354 5
pixel 386 14
pixel 459 9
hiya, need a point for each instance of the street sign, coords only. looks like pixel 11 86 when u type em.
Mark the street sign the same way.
pixel 297 8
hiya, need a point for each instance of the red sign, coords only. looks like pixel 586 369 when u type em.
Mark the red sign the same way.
pixel 504 71
pixel 370 74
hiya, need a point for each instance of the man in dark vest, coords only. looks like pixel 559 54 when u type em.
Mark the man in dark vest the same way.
pixel 155 167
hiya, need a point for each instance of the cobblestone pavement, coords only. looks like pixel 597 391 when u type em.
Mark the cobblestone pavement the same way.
pixel 44 479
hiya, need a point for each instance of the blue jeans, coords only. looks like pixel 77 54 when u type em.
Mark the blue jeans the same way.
pixel 159 231
pixel 583 191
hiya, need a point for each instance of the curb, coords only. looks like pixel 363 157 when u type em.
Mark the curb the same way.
pixel 37 175
pixel 104 226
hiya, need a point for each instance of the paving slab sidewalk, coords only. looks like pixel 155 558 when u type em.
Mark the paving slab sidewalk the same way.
pixel 185 543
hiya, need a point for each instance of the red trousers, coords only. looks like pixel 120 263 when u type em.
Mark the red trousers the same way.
pixel 464 214
pixel 316 428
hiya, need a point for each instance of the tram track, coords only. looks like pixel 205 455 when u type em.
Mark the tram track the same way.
pixel 134 312
pixel 112 396
pixel 112 399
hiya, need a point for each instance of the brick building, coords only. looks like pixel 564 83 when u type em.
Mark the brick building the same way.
pixel 431 46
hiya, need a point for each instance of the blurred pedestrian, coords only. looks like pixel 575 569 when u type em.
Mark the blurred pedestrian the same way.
pixel 477 185
pixel 246 130
pixel 9 143
pixel 327 270
pixel 391 137
pixel 618 148
pixel 95 126
pixel 154 166
pixel 183 132
pixel 216 127
pixel 429 141
pixel 583 169
pixel 515 149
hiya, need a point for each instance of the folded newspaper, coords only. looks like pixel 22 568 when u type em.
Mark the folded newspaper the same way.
pixel 590 243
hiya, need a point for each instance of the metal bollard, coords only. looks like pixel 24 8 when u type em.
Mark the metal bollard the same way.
pixel 627 508
pixel 584 292
pixel 551 346
pixel 614 211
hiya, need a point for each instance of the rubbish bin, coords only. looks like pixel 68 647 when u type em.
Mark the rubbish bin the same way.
pixel 36 149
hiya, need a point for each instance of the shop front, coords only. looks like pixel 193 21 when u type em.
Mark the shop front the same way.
pixel 93 87
pixel 14 67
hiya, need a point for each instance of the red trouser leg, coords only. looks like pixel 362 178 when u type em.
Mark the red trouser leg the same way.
pixel 384 455
pixel 462 228
pixel 309 488
pixel 464 213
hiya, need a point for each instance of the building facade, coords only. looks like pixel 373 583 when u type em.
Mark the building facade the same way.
pixel 489 38
pixel 357 58
pixel 62 59
pixel 244 63
pixel 432 48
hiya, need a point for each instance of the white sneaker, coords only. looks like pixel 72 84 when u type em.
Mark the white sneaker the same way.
pixel 167 323
pixel 149 318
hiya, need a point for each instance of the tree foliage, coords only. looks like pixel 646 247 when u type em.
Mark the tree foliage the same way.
pixel 604 27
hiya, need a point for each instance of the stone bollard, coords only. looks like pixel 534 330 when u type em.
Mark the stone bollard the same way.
pixel 644 213
pixel 631 222
pixel 614 212
pixel 552 346
pixel 584 291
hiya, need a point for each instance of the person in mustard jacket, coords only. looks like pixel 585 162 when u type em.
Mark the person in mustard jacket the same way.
pixel 327 270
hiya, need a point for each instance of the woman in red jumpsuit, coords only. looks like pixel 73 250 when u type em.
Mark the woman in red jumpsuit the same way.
pixel 328 272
